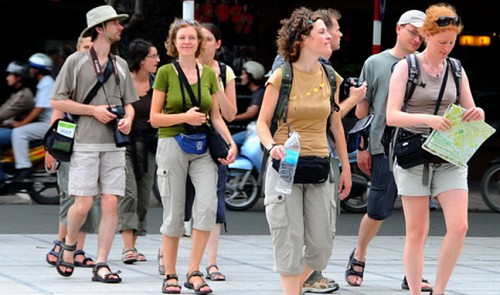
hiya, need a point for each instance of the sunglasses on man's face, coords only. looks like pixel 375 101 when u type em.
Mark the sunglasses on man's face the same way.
pixel 444 21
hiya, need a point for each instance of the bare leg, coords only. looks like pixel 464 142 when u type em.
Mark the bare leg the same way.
pixel 107 228
pixel 199 242
pixel 77 214
pixel 170 247
pixel 416 212
pixel 292 284
pixel 454 204
pixel 368 229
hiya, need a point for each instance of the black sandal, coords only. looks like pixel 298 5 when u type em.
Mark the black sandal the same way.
pixel 161 265
pixel 107 277
pixel 167 285
pixel 350 271
pixel 60 260
pixel 197 289
pixel 84 262
pixel 214 275
pixel 404 285
pixel 54 253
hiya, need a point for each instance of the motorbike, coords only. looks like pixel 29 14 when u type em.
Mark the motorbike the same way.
pixel 490 185
pixel 40 184
pixel 243 189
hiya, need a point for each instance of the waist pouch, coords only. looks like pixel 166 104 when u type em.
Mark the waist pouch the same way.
pixel 192 143
pixel 310 169
pixel 408 150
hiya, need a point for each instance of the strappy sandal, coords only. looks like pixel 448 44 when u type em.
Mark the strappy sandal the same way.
pixel 70 267
pixel 404 285
pixel 166 285
pixel 350 271
pixel 140 257
pixel 129 256
pixel 107 277
pixel 85 261
pixel 214 275
pixel 54 253
pixel 161 265
pixel 198 287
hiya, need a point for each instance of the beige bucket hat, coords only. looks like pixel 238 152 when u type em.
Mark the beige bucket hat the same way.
pixel 99 15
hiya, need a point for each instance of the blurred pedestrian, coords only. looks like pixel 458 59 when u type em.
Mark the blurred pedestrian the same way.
pixel 143 61
pixel 376 72
pixel 66 201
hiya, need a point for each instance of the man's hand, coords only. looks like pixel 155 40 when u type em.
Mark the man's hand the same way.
pixel 364 160
pixel 102 114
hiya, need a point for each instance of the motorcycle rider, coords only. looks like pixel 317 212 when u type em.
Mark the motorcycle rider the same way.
pixel 37 122
pixel 252 76
pixel 16 107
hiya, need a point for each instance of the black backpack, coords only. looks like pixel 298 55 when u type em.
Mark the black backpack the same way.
pixel 412 83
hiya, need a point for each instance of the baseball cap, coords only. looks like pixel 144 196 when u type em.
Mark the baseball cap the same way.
pixel 413 17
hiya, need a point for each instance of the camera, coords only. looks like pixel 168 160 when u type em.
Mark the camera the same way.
pixel 121 139
pixel 348 82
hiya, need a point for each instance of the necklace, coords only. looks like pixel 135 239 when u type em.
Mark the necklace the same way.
pixel 435 72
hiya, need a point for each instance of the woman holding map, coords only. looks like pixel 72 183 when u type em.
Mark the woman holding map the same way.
pixel 443 181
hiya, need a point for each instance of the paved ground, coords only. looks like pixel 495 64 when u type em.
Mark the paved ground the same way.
pixel 246 259
pixel 247 263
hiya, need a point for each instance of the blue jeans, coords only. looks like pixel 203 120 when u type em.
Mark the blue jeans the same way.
pixel 5 142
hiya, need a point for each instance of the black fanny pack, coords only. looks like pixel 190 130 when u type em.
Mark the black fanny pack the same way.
pixel 408 149
pixel 310 169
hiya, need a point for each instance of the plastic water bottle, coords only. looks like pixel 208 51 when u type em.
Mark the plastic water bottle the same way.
pixel 288 164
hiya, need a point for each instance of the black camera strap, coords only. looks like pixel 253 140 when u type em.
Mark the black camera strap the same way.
pixel 184 83
pixel 102 76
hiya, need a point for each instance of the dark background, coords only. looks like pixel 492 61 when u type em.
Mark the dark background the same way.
pixel 30 26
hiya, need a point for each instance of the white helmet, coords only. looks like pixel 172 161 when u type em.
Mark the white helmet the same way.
pixel 17 68
pixel 40 61
pixel 256 69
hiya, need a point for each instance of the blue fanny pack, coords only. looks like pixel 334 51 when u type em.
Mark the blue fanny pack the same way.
pixel 192 143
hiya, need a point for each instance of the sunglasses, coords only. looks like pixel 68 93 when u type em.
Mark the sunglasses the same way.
pixel 444 21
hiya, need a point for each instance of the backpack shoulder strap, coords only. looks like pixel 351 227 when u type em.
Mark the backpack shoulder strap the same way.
pixel 413 76
pixel 330 72
pixel 222 67
pixel 286 86
pixel 456 67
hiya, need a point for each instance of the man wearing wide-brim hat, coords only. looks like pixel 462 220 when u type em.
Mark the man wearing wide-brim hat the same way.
pixel 97 162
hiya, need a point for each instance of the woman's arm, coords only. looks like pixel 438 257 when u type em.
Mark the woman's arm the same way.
pixel 158 119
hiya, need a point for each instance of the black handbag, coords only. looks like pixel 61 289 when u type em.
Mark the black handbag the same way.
pixel 216 144
pixel 310 169
pixel 60 138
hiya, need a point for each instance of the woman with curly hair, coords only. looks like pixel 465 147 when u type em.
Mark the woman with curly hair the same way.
pixel 443 181
pixel 302 223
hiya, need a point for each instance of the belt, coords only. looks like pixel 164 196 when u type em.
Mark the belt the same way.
pixel 437 160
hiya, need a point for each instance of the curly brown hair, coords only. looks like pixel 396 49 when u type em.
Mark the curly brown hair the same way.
pixel 175 26
pixel 433 12
pixel 292 31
